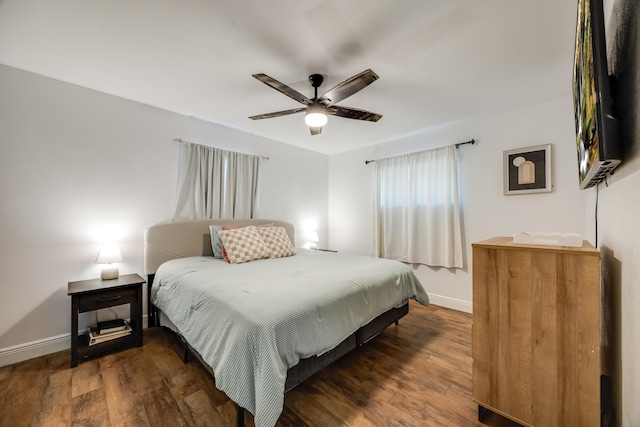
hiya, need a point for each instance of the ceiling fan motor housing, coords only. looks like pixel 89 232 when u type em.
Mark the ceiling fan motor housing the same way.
pixel 316 80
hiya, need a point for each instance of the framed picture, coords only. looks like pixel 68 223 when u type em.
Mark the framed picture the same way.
pixel 527 170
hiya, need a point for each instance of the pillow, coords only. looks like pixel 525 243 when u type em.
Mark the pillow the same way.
pixel 278 241
pixel 243 244
pixel 216 243
pixel 228 227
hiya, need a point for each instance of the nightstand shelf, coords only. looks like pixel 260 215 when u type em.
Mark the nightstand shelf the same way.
pixel 95 294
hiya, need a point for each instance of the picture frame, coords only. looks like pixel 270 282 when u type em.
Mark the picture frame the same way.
pixel 527 170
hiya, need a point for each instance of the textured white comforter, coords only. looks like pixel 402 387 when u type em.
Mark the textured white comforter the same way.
pixel 251 322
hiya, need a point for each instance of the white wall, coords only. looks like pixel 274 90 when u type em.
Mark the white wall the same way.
pixel 619 215
pixel 486 211
pixel 76 163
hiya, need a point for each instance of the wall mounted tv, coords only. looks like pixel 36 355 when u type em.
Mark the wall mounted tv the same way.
pixel 596 128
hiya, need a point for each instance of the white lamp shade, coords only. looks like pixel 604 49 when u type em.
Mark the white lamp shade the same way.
pixel 316 116
pixel 312 236
pixel 109 252
pixel 311 239
pixel 315 120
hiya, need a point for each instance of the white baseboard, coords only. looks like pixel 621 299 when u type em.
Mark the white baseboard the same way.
pixel 452 303
pixel 29 350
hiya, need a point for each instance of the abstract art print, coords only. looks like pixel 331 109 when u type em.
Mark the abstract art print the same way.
pixel 527 170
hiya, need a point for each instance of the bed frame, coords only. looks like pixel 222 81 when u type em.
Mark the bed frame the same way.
pixel 172 240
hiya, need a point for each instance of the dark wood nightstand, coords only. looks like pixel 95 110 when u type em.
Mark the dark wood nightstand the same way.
pixel 89 295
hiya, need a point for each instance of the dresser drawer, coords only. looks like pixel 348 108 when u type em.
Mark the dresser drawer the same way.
pixel 106 298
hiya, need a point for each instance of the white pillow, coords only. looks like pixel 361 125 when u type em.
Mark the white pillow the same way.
pixel 216 243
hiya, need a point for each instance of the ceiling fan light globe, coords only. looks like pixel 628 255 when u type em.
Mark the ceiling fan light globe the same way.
pixel 315 120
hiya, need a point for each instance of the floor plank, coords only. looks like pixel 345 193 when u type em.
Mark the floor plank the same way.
pixel 54 404
pixel 162 409
pixel 125 405
pixel 19 401
pixel 417 373
pixel 86 378
pixel 90 409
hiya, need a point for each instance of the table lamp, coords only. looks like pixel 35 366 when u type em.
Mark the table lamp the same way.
pixel 109 253
pixel 312 239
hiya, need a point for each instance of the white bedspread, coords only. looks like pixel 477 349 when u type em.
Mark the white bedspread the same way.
pixel 251 322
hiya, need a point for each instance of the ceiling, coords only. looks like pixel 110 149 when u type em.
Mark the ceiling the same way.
pixel 439 61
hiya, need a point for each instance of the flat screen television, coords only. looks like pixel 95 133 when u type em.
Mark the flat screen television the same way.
pixel 596 128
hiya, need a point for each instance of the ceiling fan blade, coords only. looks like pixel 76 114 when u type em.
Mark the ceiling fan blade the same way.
pixel 315 130
pixel 277 114
pixel 283 88
pixel 349 87
pixel 353 113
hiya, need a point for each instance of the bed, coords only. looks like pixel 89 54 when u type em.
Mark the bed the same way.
pixel 264 326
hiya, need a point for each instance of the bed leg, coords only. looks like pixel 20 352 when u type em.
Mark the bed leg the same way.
pixel 152 311
pixel 239 416
pixel 185 351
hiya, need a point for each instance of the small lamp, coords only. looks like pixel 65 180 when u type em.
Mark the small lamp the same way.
pixel 109 253
pixel 312 239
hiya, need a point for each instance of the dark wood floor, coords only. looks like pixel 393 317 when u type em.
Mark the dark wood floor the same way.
pixel 414 374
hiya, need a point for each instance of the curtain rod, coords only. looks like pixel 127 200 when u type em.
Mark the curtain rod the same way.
pixel 471 141
pixel 191 142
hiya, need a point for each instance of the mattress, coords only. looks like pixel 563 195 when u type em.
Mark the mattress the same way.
pixel 251 322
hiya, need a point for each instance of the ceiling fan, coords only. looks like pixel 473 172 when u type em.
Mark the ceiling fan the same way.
pixel 318 108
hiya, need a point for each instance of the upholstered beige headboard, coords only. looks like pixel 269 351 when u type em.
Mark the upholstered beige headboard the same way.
pixel 172 240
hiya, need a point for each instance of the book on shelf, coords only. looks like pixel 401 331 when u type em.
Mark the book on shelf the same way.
pixel 96 338
pixel 109 326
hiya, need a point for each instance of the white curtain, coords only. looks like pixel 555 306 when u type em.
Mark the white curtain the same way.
pixel 417 216
pixel 215 183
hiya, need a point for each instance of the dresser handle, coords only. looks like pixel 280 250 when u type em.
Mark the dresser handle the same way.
pixel 110 298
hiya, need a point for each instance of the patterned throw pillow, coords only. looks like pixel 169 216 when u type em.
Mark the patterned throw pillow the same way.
pixel 278 241
pixel 224 255
pixel 216 243
pixel 243 244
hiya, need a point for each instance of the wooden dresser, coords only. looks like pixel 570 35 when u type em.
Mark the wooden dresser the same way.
pixel 536 332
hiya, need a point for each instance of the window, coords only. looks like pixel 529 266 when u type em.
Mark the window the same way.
pixel 215 183
pixel 417 218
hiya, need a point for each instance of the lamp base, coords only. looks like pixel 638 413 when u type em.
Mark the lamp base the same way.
pixel 109 273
